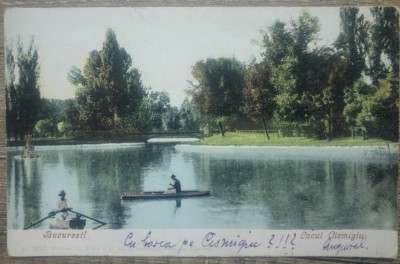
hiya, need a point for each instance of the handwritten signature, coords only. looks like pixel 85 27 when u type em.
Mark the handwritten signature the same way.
pixel 340 243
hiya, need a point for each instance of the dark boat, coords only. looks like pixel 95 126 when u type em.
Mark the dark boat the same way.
pixel 73 223
pixel 163 195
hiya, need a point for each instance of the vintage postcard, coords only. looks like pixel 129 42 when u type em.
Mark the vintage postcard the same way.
pixel 202 131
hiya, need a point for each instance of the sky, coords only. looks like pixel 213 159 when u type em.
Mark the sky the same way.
pixel 164 42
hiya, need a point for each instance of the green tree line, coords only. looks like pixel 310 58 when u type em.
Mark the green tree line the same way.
pixel 302 88
pixel 109 96
pixel 299 87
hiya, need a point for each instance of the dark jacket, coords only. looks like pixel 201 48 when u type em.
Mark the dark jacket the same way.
pixel 177 185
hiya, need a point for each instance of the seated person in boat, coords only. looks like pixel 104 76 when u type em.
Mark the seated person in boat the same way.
pixel 176 185
pixel 62 203
pixel 62 215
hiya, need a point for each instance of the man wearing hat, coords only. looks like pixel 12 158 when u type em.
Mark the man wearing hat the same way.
pixel 176 183
pixel 62 203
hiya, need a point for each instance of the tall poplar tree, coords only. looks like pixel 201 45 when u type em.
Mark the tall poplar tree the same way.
pixel 384 42
pixel 11 94
pixel 352 41
pixel 27 89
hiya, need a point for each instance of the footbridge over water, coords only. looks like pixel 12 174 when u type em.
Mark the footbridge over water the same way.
pixel 192 134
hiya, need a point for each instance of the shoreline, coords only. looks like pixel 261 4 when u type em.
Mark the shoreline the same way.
pixel 390 145
pixel 322 150
pixel 194 142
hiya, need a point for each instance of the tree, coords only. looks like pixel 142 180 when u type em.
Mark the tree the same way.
pixel 109 90
pixel 371 105
pixel 259 94
pixel 352 41
pixel 71 114
pixel 333 97
pixel 383 110
pixel 384 42
pixel 219 90
pixel 277 43
pixel 53 110
pixel 27 88
pixel 298 73
pixel 171 120
pixel 159 105
pixel 357 108
pixel 43 127
pixel 384 72
pixel 91 97
pixel 152 112
pixel 190 117
pixel 64 128
pixel 11 94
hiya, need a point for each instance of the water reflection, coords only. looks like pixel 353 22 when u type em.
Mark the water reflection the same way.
pixel 251 188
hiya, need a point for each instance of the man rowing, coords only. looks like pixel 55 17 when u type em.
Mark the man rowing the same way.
pixel 176 184
pixel 62 204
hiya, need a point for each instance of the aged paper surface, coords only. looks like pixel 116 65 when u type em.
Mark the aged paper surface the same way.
pixel 345 208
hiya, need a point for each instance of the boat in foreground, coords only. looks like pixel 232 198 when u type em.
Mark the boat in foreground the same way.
pixel 71 223
pixel 163 195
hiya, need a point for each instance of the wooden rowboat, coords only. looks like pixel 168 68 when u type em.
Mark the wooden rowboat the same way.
pixel 73 223
pixel 163 195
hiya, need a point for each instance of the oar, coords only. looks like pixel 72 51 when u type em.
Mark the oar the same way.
pixel 101 222
pixel 51 214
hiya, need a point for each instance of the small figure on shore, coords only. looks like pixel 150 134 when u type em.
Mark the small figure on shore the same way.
pixel 176 184
pixel 28 150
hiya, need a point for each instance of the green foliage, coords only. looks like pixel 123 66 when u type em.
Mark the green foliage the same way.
pixel 305 30
pixel 333 97
pixel 190 117
pixel 219 89
pixel 259 94
pixel 353 40
pixel 64 128
pixel 151 112
pixel 384 39
pixel 278 43
pixel 109 89
pixel 170 119
pixel 11 94
pixel 54 110
pixel 300 88
pixel 373 107
pixel 23 94
pixel 311 90
pixel 298 74
pixel 159 105
pixel 44 127
pixel 380 113
pixel 357 108
pixel 219 92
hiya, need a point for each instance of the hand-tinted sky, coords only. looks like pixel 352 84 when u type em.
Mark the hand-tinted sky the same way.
pixel 164 43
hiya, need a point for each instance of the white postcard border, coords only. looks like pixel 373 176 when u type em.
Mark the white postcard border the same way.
pixel 204 242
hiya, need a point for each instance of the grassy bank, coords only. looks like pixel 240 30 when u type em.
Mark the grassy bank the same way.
pixel 259 139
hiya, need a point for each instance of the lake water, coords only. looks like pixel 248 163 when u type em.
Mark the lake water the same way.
pixel 251 187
